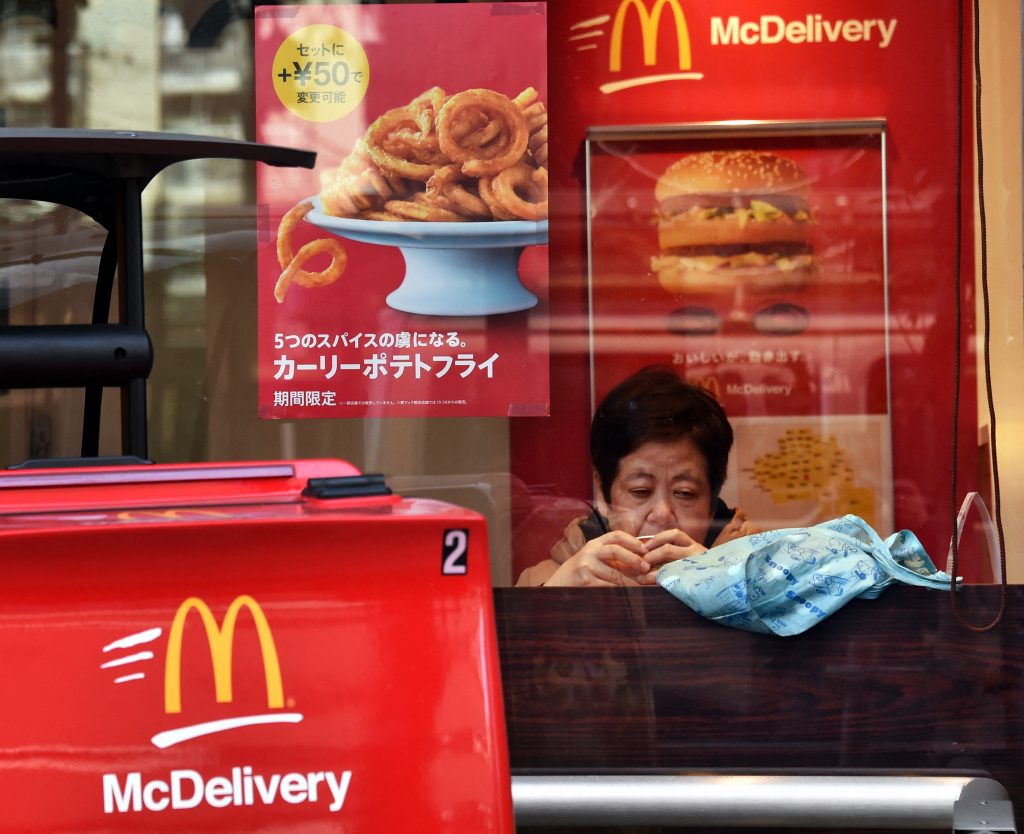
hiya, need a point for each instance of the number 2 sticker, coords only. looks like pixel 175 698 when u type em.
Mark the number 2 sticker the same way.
pixel 455 552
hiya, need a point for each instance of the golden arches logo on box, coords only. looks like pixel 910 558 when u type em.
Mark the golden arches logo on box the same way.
pixel 636 28
pixel 220 639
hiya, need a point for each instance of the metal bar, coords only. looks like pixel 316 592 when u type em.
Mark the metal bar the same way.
pixel 145 475
pixel 134 439
pixel 737 128
pixel 72 355
pixel 92 409
pixel 781 801
pixel 983 809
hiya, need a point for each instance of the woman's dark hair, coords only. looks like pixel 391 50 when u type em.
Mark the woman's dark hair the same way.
pixel 655 404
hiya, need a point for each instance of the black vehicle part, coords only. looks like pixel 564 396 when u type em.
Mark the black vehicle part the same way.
pixel 348 486
pixel 102 173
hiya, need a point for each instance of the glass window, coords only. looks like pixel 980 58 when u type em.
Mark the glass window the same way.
pixel 188 67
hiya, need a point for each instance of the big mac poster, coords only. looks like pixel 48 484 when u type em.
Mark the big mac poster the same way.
pixel 406 274
pixel 751 258
pixel 663 66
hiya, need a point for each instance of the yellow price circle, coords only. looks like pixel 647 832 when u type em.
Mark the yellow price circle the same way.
pixel 321 73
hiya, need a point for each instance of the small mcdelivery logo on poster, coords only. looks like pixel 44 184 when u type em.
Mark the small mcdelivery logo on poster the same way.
pixel 187 788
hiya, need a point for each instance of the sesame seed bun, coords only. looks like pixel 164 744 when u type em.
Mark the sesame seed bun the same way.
pixel 731 172
pixel 733 217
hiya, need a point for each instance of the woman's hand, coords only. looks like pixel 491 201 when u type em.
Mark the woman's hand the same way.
pixel 668 546
pixel 616 558
pixel 737 527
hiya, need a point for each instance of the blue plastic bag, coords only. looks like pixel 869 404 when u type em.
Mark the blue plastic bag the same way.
pixel 786 581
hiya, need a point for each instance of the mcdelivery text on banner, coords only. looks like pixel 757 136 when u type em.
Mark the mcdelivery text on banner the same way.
pixel 814 28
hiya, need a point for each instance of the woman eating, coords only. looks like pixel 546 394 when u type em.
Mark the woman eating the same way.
pixel 659 447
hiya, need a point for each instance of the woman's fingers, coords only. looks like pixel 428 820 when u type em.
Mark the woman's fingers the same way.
pixel 671 552
pixel 674 537
pixel 618 550
pixel 604 561
pixel 623 558
pixel 621 539
pixel 670 545
pixel 602 573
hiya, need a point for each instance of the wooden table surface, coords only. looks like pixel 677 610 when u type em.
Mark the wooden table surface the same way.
pixel 631 679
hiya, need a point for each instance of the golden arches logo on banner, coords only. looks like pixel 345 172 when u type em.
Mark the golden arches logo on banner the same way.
pixel 650 23
pixel 220 639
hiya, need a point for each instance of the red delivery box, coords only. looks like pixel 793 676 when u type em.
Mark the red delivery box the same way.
pixel 262 646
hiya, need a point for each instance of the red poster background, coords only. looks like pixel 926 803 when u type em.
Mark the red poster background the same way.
pixel 409 49
pixel 911 83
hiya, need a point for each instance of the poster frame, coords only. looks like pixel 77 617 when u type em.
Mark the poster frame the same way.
pixel 598 135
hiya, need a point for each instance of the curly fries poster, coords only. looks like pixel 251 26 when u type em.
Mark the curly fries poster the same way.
pixel 406 273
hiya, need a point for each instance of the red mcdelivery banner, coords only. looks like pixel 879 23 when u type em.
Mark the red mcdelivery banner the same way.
pixel 831 348
pixel 406 275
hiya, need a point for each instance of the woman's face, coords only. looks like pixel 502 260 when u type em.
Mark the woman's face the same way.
pixel 662 485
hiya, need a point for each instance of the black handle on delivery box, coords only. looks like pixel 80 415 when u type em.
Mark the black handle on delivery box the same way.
pixel 348 486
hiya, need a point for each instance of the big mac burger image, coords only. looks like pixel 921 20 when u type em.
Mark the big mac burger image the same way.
pixel 733 220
